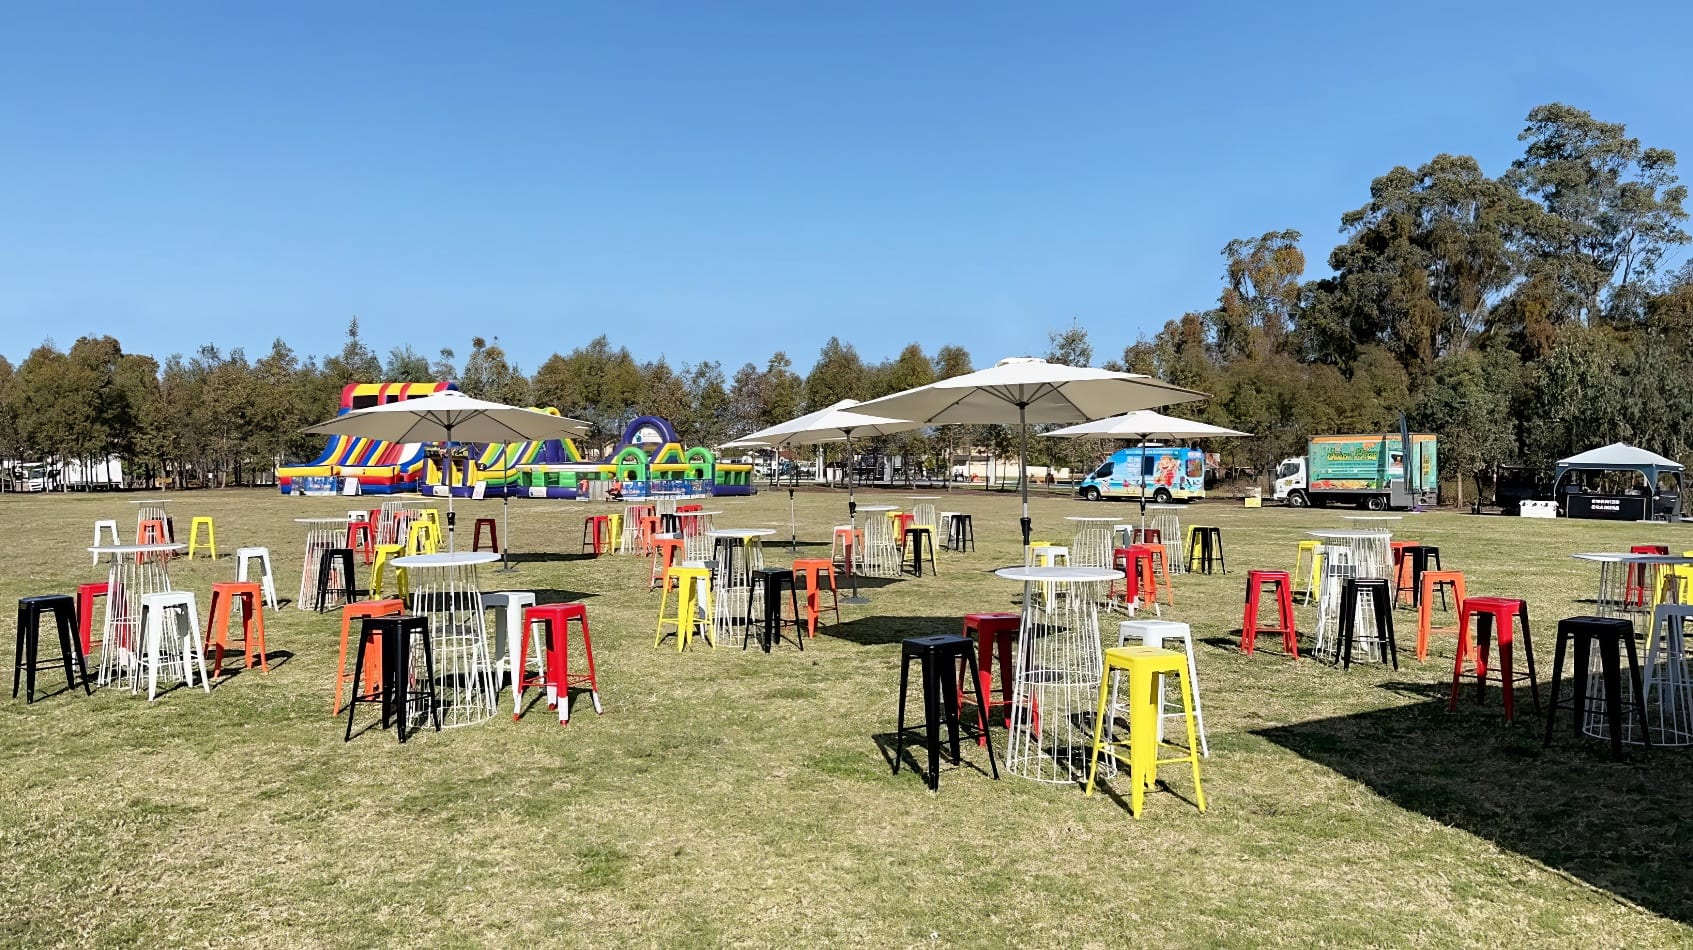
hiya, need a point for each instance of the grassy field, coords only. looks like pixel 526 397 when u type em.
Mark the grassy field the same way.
pixel 740 798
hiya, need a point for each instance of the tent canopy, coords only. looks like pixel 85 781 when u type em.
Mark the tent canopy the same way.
pixel 1618 457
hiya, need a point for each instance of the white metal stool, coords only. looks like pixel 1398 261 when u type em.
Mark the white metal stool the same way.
pixel 507 606
pixel 262 555
pixel 1155 633
pixel 110 526
pixel 170 636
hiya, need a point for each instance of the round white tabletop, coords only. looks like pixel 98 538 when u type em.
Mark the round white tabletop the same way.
pixel 1166 507
pixel 696 514
pixel 1660 560
pixel 1345 534
pixel 1097 519
pixel 446 559
pixel 150 501
pixel 878 508
pixel 741 533
pixel 1605 557
pixel 1040 574
pixel 669 493
pixel 137 548
pixel 924 497
pixel 324 520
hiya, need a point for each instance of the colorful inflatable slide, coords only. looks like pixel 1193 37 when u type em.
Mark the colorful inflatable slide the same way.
pixel 380 467
pixel 649 458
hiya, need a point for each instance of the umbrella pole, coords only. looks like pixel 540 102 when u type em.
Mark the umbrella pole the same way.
pixel 854 598
pixel 447 476
pixel 505 530
pixel 1023 464
pixel 793 526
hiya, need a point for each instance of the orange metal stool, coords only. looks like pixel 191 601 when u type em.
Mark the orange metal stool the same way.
pixel 667 553
pixel 373 656
pixel 812 571
pixel 224 596
pixel 1439 580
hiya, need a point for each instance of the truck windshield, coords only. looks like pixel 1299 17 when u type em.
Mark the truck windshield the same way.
pixel 1287 469
pixel 1104 471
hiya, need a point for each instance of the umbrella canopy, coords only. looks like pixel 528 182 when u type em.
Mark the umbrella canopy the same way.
pixel 1143 424
pixel 1022 390
pixel 450 417
pixel 831 424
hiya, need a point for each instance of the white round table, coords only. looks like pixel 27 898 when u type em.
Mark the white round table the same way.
pixel 132 571
pixel 321 535
pixel 1057 672
pixel 1368 554
pixel 445 588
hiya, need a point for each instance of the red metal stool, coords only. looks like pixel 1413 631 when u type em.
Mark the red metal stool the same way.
pixel 596 531
pixel 1256 581
pixel 361 538
pixel 224 596
pixel 85 612
pixel 493 535
pixel 667 553
pixel 1637 589
pixel 557 679
pixel 994 631
pixel 1139 574
pixel 1494 614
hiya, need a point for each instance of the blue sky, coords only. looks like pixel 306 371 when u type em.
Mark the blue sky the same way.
pixel 720 180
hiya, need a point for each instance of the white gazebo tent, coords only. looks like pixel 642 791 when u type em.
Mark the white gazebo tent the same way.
pixel 1620 457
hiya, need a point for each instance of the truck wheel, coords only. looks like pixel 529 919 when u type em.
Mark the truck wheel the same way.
pixel 1161 496
pixel 1090 493
pixel 1377 503
pixel 1297 499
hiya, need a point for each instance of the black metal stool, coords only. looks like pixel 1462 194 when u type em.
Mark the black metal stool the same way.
pixel 394 636
pixel 1607 632
pixel 1205 544
pixel 26 659
pixel 915 536
pixel 1420 556
pixel 325 567
pixel 1380 593
pixel 960 530
pixel 771 580
pixel 939 656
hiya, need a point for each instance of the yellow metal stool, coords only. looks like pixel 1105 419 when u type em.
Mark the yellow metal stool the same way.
pixel 422 537
pixel 614 527
pixel 688 618
pixel 383 553
pixel 1145 667
pixel 1312 551
pixel 194 537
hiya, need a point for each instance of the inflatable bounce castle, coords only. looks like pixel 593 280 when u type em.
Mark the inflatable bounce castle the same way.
pixel 648 458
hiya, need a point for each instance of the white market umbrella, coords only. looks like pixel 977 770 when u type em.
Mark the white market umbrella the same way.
pixel 450 416
pixel 1024 390
pixel 1143 424
pixel 834 423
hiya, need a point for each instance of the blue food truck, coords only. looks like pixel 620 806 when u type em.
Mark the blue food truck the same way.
pixel 1162 473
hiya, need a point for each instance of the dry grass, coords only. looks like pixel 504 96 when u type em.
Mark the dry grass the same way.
pixel 742 798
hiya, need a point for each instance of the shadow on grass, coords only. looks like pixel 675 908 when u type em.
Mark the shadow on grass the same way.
pixel 882 631
pixel 547 558
pixel 1620 827
pixel 906 750
pixel 234 665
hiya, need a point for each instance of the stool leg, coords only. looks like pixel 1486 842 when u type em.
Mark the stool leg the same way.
pixel 1557 674
pixel 981 703
pixel 931 718
pixel 1249 623
pixel 949 701
pixel 1284 613
pixel 1384 628
pixel 1196 709
pixel 352 705
pixel 1634 680
pixel 1528 656
pixel 1190 704
pixel 559 657
pixel 1106 688
pixel 593 679
pixel 899 723
pixel 1609 671
pixel 1583 657
pixel 429 682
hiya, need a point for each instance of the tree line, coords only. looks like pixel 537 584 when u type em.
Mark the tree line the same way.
pixel 1521 317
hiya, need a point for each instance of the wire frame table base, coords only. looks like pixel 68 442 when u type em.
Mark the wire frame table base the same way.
pixel 445 589
pixel 130 576
pixel 1056 675
pixel 1169 527
pixel 396 517
pixel 319 540
pixel 1667 680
